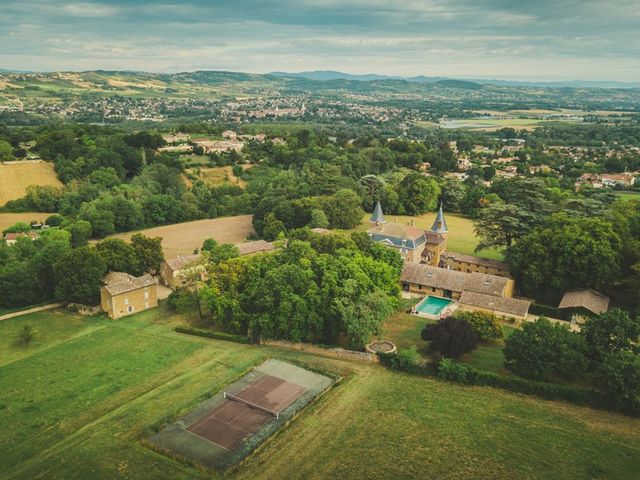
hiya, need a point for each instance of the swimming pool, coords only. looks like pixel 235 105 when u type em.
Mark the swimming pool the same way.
pixel 432 305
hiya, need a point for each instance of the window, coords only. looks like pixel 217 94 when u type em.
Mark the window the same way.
pixel 126 301
pixel 130 308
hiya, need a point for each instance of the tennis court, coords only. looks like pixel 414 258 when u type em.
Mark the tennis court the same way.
pixel 230 425
pixel 243 413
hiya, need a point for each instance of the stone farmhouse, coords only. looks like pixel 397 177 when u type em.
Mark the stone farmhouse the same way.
pixel 12 238
pixel 124 294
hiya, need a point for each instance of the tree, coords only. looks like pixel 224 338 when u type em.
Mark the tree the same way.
pixel 343 209
pixel 569 252
pixel 5 151
pixel 148 252
pixel 500 224
pixel 217 253
pixel 618 377
pixel 542 348
pixel 451 336
pixel 318 219
pixel 486 325
pixel 80 233
pixel 272 227
pixel 610 332
pixel 118 256
pixel 418 194
pixel 78 275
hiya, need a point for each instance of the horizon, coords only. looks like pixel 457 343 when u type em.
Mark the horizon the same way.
pixel 542 41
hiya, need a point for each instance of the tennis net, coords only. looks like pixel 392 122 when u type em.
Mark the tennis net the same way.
pixel 231 396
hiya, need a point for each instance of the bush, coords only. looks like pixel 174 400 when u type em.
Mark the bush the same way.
pixel 200 332
pixel 181 300
pixel 619 377
pixel 486 325
pixel 25 335
pixel 406 360
pixel 451 336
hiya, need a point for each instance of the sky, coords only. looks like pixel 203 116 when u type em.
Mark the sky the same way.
pixel 506 39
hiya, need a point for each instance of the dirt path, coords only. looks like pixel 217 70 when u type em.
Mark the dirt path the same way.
pixel 7 316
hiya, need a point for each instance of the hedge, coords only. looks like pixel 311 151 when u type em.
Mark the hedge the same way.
pixel 548 311
pixel 200 332
pixel 464 374
pixel 457 372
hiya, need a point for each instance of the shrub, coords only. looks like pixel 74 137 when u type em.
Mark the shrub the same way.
pixel 543 348
pixel 618 376
pixel 181 300
pixel 25 335
pixel 486 325
pixel 451 336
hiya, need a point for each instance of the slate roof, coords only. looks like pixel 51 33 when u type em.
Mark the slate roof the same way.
pixel 429 276
pixel 254 247
pixel 128 285
pixel 434 238
pixel 511 306
pixel 377 216
pixel 395 233
pixel 593 301
pixel 439 224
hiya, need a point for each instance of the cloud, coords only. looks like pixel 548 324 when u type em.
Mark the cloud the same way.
pixel 542 39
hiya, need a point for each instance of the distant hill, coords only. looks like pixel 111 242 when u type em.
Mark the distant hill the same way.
pixel 327 75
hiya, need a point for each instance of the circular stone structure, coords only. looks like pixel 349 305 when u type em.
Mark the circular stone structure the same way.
pixel 381 346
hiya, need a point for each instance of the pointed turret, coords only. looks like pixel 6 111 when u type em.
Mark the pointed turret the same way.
pixel 439 224
pixel 377 216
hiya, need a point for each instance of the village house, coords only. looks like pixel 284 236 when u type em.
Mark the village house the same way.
pixel 408 240
pixel 124 294
pixel 583 303
pixel 12 238
pixel 603 180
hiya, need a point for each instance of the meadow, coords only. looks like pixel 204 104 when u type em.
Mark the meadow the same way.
pixel 184 238
pixel 15 177
pixel 461 237
pixel 81 400
pixel 9 219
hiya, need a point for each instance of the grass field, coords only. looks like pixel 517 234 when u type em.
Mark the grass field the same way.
pixel 183 238
pixel 221 175
pixel 628 196
pixel 492 124
pixel 461 237
pixel 9 219
pixel 15 177
pixel 80 402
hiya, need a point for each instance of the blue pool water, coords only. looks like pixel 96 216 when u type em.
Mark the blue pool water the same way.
pixel 432 305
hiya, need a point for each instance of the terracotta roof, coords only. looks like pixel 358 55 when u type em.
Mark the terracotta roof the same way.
pixel 17 235
pixel 116 277
pixel 586 298
pixel 254 247
pixel 511 306
pixel 134 283
pixel 460 257
pixel 179 263
pixel 453 280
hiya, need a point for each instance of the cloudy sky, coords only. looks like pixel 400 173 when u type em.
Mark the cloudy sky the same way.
pixel 512 39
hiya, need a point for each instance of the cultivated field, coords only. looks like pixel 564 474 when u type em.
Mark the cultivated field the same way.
pixel 15 177
pixel 492 124
pixel 184 238
pixel 461 237
pixel 82 400
pixel 9 219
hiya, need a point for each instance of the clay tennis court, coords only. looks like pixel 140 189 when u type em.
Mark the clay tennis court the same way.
pixel 231 422
pixel 229 425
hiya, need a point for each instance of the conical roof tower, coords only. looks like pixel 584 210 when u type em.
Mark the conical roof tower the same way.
pixel 439 224
pixel 377 216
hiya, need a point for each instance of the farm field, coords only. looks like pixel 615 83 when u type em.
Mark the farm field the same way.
pixel 628 196
pixel 492 124
pixel 80 402
pixel 15 177
pixel 184 238
pixel 9 219
pixel 461 237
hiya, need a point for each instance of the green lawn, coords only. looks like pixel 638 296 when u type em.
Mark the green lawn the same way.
pixel 628 196
pixel 461 237
pixel 80 401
